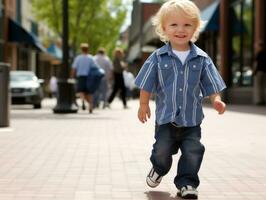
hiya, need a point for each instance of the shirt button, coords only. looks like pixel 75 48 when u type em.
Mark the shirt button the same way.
pixel 194 66
pixel 180 107
pixel 180 89
pixel 181 72
pixel 165 65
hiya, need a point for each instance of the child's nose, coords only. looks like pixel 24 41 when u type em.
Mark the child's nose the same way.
pixel 180 28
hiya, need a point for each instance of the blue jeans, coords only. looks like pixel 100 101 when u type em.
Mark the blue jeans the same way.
pixel 101 93
pixel 169 139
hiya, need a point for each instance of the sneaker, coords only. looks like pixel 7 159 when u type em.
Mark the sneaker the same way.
pixel 153 179
pixel 188 192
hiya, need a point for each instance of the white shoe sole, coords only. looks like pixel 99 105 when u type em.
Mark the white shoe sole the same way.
pixel 151 184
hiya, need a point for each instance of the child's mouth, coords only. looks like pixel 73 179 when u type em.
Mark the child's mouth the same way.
pixel 180 36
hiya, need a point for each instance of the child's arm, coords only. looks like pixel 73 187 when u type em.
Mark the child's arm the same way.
pixel 144 109
pixel 217 103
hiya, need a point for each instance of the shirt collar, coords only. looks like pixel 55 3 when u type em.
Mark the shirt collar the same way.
pixel 194 51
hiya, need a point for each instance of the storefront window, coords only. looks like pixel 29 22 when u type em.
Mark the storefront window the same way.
pixel 1 52
pixel 1 31
pixel 242 42
pixel 23 58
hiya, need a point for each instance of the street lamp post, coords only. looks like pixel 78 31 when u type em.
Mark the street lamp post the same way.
pixel 66 93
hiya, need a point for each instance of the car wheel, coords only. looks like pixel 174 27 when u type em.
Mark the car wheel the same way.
pixel 37 106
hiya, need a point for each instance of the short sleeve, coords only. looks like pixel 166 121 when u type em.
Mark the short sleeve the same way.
pixel 211 81
pixel 75 63
pixel 147 76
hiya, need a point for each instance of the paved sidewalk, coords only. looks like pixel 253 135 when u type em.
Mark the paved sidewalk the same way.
pixel 105 156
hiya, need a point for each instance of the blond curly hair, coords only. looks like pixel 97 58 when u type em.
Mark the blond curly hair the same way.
pixel 185 6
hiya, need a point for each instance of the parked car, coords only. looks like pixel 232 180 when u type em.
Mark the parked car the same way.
pixel 26 88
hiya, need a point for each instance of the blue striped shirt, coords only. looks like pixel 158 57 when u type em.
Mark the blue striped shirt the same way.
pixel 179 89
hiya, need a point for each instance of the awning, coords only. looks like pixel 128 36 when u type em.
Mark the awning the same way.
pixel 210 16
pixel 20 35
pixel 134 52
pixel 149 33
pixel 55 51
pixel 53 55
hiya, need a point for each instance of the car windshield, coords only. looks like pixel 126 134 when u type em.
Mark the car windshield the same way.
pixel 17 77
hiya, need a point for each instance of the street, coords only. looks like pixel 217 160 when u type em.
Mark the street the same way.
pixel 105 155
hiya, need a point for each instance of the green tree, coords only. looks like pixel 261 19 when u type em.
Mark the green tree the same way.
pixel 97 22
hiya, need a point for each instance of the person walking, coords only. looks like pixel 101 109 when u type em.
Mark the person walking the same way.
pixel 260 76
pixel 119 84
pixel 105 63
pixel 129 80
pixel 53 86
pixel 180 75
pixel 80 69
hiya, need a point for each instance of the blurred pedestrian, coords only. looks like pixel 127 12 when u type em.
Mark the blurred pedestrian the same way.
pixel 260 76
pixel 129 80
pixel 105 63
pixel 179 74
pixel 119 84
pixel 53 86
pixel 80 69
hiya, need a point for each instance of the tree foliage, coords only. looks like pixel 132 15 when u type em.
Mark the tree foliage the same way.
pixel 97 22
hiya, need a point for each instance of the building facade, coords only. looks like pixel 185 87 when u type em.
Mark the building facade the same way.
pixel 140 46
pixel 233 43
pixel 20 45
pixel 9 51
pixel 1 31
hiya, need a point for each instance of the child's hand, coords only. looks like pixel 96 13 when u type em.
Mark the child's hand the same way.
pixel 219 106
pixel 144 112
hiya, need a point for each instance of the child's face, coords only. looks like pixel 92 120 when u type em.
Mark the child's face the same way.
pixel 179 29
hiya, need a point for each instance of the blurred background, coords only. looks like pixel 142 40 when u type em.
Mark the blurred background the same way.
pixel 31 36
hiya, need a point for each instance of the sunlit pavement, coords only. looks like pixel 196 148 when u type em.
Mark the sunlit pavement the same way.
pixel 105 155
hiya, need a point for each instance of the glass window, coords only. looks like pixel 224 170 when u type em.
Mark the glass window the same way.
pixel 1 32
pixel 1 7
pixel 1 52
pixel 1 20
pixel 242 40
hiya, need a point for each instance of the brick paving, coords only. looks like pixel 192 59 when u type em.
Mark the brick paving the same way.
pixel 105 156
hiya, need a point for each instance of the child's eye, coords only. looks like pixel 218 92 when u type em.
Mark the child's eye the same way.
pixel 187 25
pixel 173 25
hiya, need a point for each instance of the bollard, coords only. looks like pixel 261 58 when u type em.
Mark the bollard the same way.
pixel 4 95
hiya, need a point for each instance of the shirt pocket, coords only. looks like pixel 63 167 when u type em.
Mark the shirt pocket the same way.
pixel 194 74
pixel 165 72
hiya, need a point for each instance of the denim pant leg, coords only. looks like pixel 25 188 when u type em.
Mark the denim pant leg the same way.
pixel 104 91
pixel 190 161
pixel 163 149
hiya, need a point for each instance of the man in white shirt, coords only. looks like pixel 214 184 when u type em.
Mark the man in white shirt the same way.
pixel 103 91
